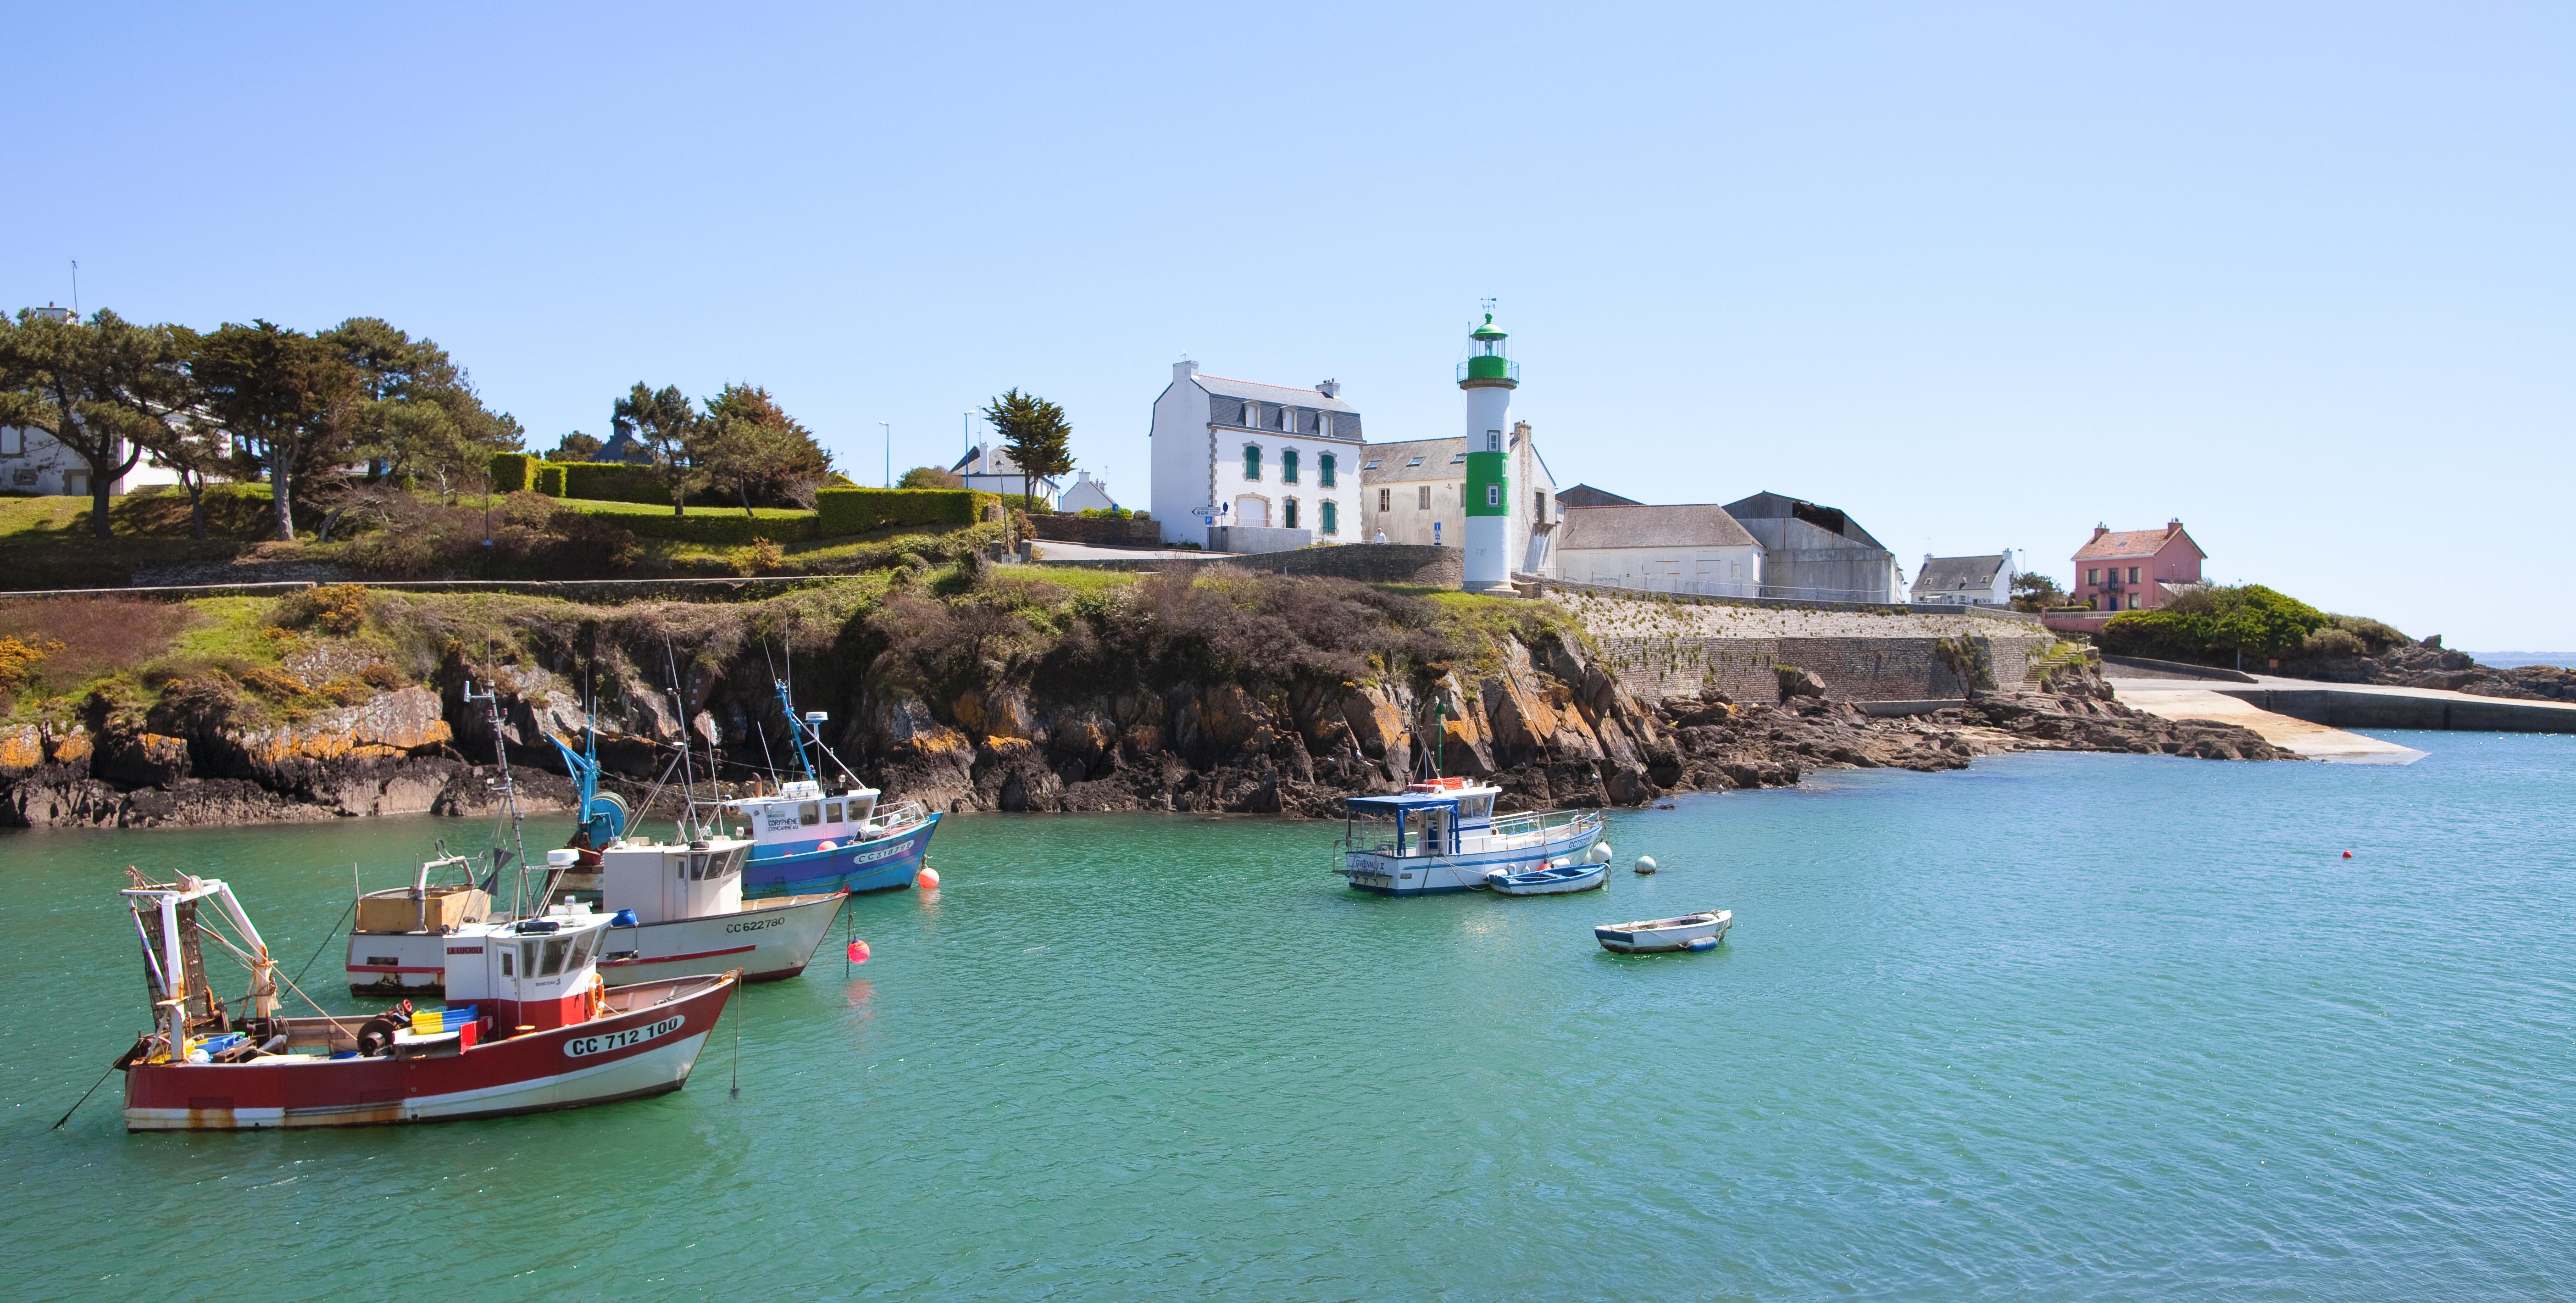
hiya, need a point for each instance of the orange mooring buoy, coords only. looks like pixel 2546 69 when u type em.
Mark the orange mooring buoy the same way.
pixel 858 952
pixel 2347 855
pixel 927 879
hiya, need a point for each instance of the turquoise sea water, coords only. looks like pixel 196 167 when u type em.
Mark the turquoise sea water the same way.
pixel 2055 1026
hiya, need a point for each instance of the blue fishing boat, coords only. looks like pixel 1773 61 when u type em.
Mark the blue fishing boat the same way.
pixel 805 838
pixel 1441 835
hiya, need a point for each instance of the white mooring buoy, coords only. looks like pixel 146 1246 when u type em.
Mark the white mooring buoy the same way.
pixel 1645 864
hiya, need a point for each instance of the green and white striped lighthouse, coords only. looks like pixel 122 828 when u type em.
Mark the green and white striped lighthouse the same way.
pixel 1489 376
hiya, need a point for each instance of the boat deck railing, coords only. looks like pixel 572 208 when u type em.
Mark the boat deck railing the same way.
pixel 889 821
pixel 1534 828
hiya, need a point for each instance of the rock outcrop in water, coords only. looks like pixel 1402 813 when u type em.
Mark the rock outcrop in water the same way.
pixel 1026 699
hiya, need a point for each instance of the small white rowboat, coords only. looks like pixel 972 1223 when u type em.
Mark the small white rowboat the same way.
pixel 1688 932
pixel 1551 881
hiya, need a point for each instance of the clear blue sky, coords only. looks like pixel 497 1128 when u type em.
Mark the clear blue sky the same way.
pixel 1982 276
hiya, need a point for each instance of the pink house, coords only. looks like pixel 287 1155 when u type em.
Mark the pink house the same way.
pixel 2126 570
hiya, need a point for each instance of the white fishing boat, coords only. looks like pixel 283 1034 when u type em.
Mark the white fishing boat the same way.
pixel 672 909
pixel 1700 931
pixel 1441 835
pixel 1549 880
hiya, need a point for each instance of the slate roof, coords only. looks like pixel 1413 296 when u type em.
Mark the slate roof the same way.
pixel 1698 524
pixel 1283 395
pixel 1440 461
pixel 1584 495
pixel 1767 505
pixel 2126 543
pixel 1959 574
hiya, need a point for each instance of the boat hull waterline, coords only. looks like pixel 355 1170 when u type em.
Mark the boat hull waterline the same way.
pixel 1425 875
pixel 885 864
pixel 1664 935
pixel 768 940
pixel 648 1049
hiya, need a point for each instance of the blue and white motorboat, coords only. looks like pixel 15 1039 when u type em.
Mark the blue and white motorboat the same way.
pixel 1441 835
pixel 1549 880
pixel 805 839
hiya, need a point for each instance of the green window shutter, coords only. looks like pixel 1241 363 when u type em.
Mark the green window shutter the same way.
pixel 1288 466
pixel 1252 461
pixel 1324 477
pixel 1332 514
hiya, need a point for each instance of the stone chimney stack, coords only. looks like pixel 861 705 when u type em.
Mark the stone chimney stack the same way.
pixel 1330 389
pixel 2099 530
pixel 1183 370
pixel 2174 526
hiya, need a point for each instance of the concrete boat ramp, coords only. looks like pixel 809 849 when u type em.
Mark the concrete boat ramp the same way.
pixel 2310 718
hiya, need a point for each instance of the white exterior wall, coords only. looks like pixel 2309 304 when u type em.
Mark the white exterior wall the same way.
pixel 32 462
pixel 1181 460
pixel 1234 492
pixel 1087 494
pixel 1533 551
pixel 1403 522
pixel 1715 571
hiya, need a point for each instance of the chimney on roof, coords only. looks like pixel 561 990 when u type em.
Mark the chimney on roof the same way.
pixel 1927 559
pixel 2100 529
pixel 1330 389
pixel 2174 526
pixel 1183 370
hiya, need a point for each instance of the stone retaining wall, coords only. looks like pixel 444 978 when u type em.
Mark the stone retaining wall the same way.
pixel 1853 669
pixel 1372 563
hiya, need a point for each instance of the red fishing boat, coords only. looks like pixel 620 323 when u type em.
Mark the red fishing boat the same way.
pixel 528 1027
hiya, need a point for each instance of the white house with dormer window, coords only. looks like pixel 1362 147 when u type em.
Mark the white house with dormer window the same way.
pixel 1274 467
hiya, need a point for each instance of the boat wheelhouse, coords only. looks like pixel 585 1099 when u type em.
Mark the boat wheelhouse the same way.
pixel 804 839
pixel 673 909
pixel 530 1027
pixel 1441 835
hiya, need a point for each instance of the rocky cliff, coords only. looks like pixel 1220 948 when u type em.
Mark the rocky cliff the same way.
pixel 1237 693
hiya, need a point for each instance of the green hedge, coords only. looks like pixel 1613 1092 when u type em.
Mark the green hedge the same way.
pixel 613 481
pixel 550 479
pixel 514 471
pixel 861 511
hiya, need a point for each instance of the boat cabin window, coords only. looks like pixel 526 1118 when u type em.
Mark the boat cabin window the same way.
pixel 832 812
pixel 505 962
pixel 1475 807
pixel 558 949
pixel 810 813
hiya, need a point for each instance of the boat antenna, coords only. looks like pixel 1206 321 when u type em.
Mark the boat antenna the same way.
pixel 762 731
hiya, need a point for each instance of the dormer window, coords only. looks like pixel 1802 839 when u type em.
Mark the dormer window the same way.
pixel 1323 425
pixel 1288 420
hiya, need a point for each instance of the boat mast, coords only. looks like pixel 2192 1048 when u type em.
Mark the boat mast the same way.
pixel 491 700
pixel 690 828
